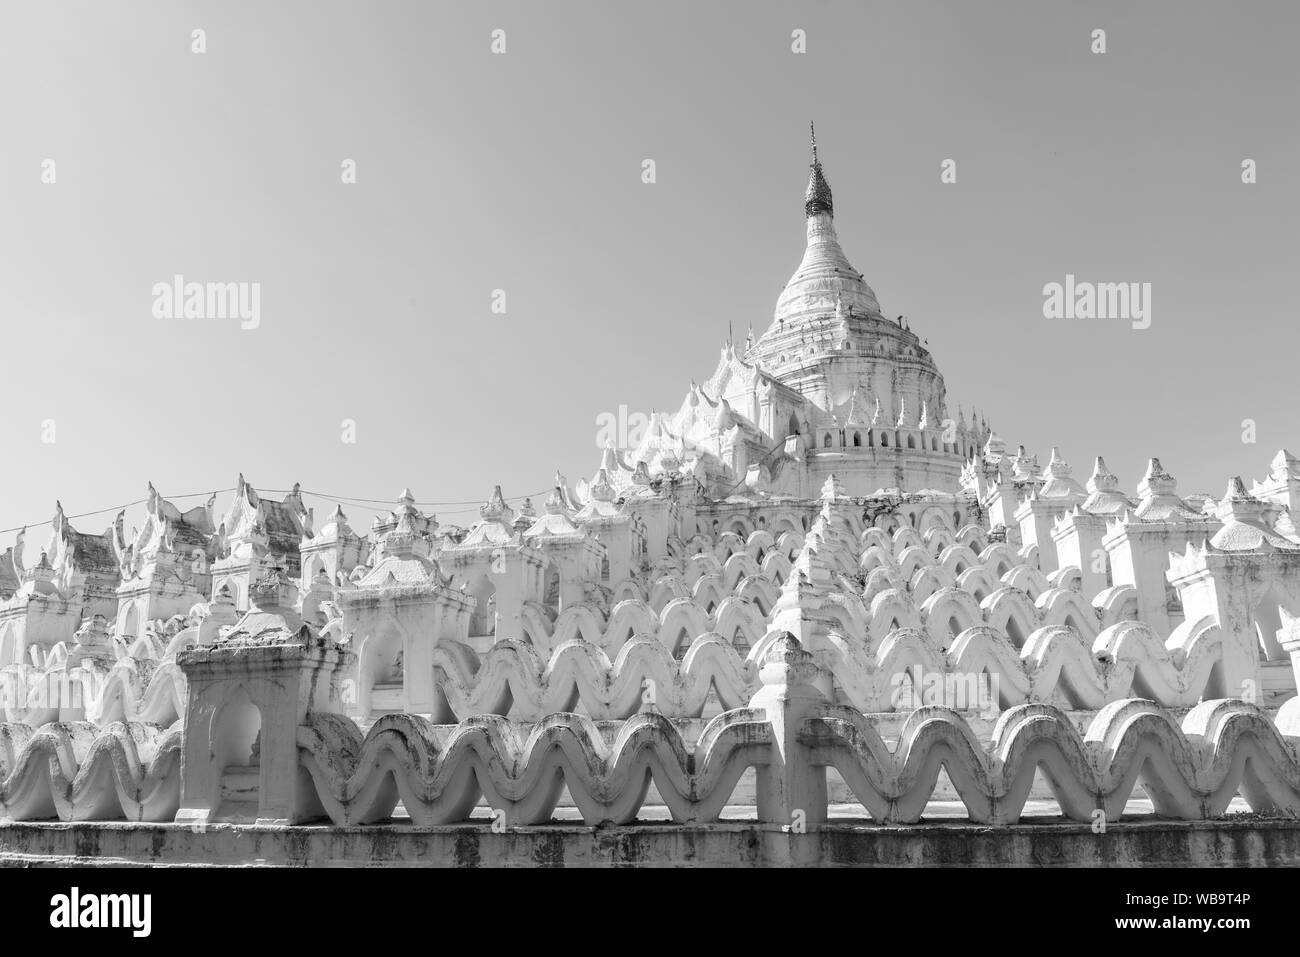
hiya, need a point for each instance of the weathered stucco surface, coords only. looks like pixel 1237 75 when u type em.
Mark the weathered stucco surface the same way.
pixel 1146 844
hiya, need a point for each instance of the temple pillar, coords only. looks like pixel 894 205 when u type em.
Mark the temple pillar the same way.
pixel 1077 537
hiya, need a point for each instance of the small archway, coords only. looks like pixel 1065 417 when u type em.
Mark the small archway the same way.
pixel 131 622
pixel 551 586
pixel 857 439
pixel 1267 621
pixel 483 622
pixel 311 568
pixel 382 671
pixel 235 732
pixel 236 743
pixel 8 645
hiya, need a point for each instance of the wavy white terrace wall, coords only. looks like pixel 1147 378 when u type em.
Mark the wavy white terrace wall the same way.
pixel 264 740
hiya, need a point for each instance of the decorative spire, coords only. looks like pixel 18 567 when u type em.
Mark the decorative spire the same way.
pixel 1245 528
pixel 601 489
pixel 1056 466
pixel 818 197
pixel 1156 481
pixel 1102 480
pixel 495 508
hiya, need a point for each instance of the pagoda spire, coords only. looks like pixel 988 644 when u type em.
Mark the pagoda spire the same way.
pixel 817 199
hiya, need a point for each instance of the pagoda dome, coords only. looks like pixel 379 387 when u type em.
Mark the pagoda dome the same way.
pixel 825 277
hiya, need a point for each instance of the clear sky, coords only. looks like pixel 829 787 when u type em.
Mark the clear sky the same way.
pixel 522 172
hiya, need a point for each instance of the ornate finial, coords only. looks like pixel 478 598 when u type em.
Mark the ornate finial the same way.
pixel 494 509
pixel 817 199
pixel 812 134
pixel 601 489
pixel 1102 480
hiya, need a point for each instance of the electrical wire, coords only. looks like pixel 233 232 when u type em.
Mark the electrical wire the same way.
pixel 351 501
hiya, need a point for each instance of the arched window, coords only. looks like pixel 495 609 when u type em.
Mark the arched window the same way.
pixel 857 439
pixel 911 441
pixel 483 620
pixel 236 734
pixel 550 591
pixel 826 442
pixel 884 440
pixel 131 627
pixel 794 424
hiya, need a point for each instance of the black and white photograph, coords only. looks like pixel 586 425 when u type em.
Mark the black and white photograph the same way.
pixel 691 435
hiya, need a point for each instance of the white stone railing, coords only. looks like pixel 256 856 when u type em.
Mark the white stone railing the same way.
pixel 790 734
pixel 75 771
pixel 519 769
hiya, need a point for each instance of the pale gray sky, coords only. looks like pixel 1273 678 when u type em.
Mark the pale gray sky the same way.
pixel 522 172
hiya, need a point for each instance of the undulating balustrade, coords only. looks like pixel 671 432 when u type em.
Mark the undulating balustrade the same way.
pixel 790 733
